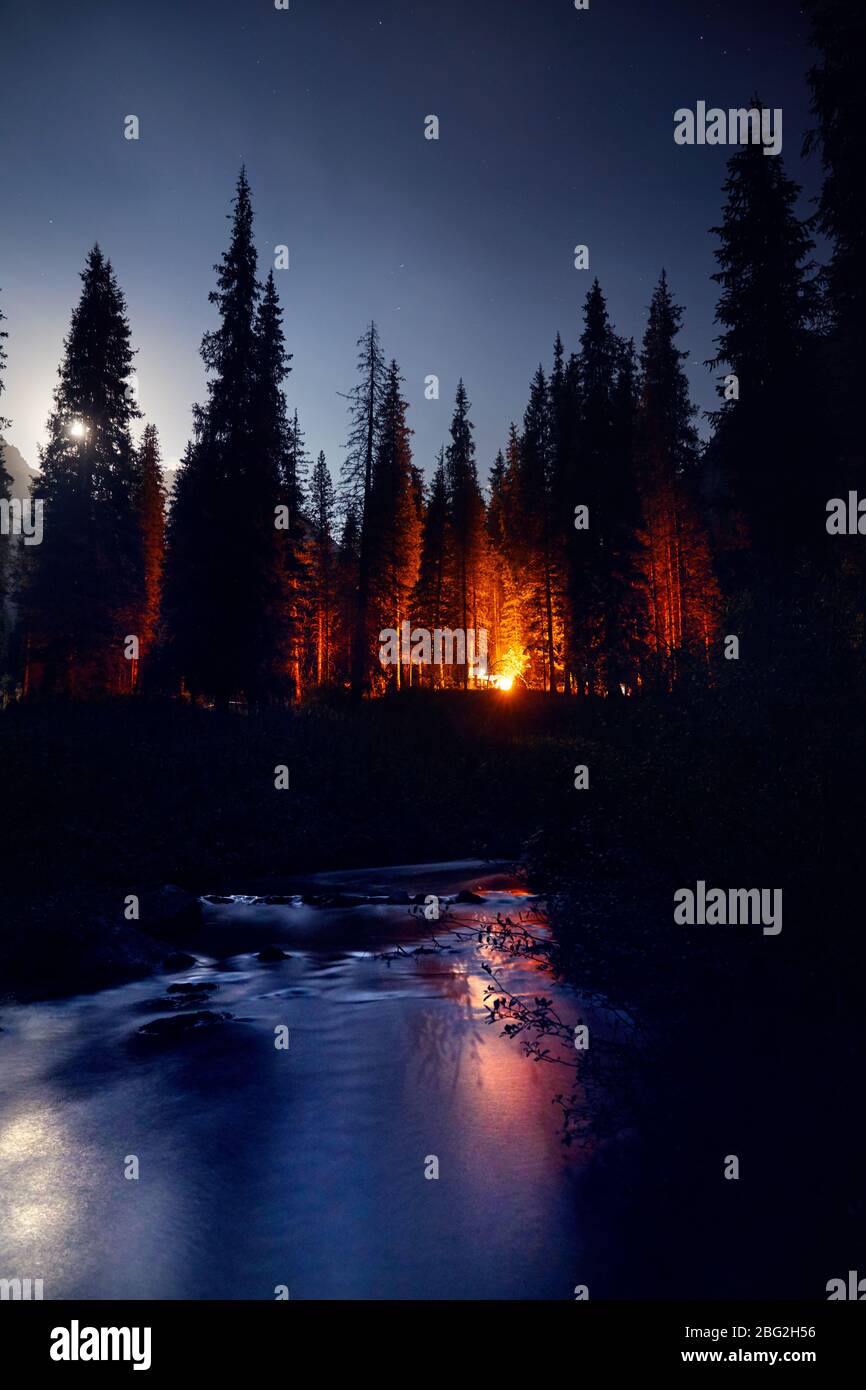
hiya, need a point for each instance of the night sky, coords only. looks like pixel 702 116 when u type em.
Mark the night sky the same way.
pixel 556 129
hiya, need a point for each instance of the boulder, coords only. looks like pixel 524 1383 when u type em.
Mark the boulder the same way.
pixel 178 960
pixel 71 943
pixel 272 953
pixel 165 1029
pixel 334 899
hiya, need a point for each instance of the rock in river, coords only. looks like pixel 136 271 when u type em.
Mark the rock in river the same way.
pixel 178 960
pixel 165 1029
pixel 270 953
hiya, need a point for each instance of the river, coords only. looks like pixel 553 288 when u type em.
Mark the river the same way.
pixel 299 1167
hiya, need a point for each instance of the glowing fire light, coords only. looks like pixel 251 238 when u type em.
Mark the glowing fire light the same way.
pixel 511 667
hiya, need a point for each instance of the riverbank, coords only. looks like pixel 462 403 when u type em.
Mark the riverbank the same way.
pixel 119 799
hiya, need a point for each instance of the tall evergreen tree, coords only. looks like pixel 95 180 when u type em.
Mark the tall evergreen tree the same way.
pixel 604 563
pixel 365 401
pixel 768 428
pixel 277 551
pixel 839 107
pixel 495 522
pixel 683 597
pixel 596 369
pixel 395 539
pixel 567 492
pixel 626 636
pixel 838 32
pixel 429 598
pixel 229 563
pixel 516 620
pixel 515 612
pixel 348 554
pixel 465 517
pixel 535 482
pixel 293 472
pixel 151 519
pixel 322 511
pixel 295 468
pixel 84 587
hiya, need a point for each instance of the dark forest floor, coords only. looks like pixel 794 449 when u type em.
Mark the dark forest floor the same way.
pixel 123 793
pixel 128 792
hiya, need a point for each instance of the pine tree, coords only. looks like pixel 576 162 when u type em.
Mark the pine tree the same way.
pixel 516 619
pixel 567 492
pixel 465 518
pixel 348 555
pixel 538 559
pixel 230 566
pixel 277 556
pixel 604 588
pixel 322 510
pixel 294 476
pixel 429 598
pixel 365 401
pixel 84 587
pixel 768 428
pixel 512 618
pixel 623 563
pixel 596 369
pixel 395 532
pixel 151 519
pixel 839 106
pixel 838 31
pixel 683 595
pixel 588 556
pixel 295 468
pixel 495 520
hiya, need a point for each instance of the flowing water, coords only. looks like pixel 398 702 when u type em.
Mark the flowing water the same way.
pixel 262 1166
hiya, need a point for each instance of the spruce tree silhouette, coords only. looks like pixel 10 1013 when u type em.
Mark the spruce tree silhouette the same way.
pixel 84 583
